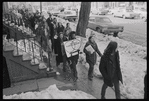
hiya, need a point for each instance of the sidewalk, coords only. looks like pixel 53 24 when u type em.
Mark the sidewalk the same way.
pixel 91 87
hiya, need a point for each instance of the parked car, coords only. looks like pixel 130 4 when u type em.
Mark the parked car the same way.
pixel 103 11
pixel 112 11
pixel 124 13
pixel 104 25
pixel 68 15
pixel 142 13
pixel 94 11
pixel 55 12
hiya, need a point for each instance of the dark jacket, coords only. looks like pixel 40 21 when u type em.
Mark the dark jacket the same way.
pixel 59 49
pixel 60 29
pixel 145 87
pixel 91 58
pixel 106 69
pixel 51 28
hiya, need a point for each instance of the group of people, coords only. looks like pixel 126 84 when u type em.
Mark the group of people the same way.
pixel 53 34
pixel 109 64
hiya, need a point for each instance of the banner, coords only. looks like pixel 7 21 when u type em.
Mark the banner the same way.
pixel 72 47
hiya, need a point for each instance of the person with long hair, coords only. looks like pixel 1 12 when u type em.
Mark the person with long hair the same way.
pixel 91 57
pixel 110 69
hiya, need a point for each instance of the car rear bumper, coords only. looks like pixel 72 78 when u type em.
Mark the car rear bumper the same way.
pixel 112 31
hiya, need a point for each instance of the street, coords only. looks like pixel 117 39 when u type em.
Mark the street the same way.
pixel 134 30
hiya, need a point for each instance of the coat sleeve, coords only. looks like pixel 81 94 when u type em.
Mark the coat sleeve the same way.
pixel 102 68
pixel 97 50
pixel 85 51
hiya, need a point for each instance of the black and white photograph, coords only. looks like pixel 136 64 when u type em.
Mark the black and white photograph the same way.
pixel 74 50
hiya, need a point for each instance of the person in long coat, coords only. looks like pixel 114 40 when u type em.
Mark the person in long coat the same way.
pixel 60 50
pixel 60 28
pixel 110 69
pixel 91 58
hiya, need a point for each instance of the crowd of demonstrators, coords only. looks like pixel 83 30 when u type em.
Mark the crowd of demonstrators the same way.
pixel 91 57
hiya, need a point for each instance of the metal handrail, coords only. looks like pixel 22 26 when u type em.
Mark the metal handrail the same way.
pixel 14 30
pixel 37 57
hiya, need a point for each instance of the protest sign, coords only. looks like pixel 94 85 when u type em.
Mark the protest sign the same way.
pixel 72 47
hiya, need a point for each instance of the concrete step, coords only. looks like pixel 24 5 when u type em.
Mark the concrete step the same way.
pixel 8 47
pixel 20 52
pixel 26 56
pixel 34 61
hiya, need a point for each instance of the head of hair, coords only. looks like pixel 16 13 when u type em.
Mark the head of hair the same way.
pixel 71 34
pixel 110 48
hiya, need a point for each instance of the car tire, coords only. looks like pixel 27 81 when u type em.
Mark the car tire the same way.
pixel 98 30
pixel 115 34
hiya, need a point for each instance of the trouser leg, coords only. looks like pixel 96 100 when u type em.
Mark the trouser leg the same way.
pixel 103 90
pixel 64 63
pixel 73 68
pixel 90 71
pixel 117 88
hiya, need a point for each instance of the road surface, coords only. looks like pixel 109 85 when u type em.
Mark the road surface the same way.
pixel 134 30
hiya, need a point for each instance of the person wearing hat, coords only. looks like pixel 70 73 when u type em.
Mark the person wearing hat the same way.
pixel 91 57
pixel 110 69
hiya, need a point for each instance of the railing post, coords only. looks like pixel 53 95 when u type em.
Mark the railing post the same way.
pixel 33 52
pixel 24 44
pixel 16 42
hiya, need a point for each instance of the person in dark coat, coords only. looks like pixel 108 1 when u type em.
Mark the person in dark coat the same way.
pixel 60 51
pixel 67 30
pixel 110 69
pixel 145 86
pixel 60 28
pixel 51 28
pixel 73 60
pixel 91 58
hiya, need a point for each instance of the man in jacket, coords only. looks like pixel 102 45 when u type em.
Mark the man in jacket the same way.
pixel 73 60
pixel 91 58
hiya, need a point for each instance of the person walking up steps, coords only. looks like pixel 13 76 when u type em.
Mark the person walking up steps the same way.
pixel 91 57
pixel 110 69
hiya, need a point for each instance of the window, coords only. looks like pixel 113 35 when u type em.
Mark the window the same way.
pixel 106 20
pixel 92 19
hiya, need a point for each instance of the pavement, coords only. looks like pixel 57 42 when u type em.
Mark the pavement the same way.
pixel 91 87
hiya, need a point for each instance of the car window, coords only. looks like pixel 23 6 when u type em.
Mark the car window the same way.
pixel 91 19
pixel 106 20
pixel 67 13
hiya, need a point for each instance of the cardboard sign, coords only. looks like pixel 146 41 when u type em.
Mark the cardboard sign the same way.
pixel 72 46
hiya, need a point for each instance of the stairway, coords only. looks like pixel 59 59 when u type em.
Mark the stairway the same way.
pixel 23 63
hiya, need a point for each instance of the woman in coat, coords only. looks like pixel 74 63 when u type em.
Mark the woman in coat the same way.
pixel 60 49
pixel 91 58
pixel 60 28
pixel 110 69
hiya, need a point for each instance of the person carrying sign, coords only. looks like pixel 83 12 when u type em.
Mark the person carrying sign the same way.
pixel 73 60
pixel 90 50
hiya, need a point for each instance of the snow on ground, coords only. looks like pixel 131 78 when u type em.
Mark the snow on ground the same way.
pixel 52 92
pixel 133 66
